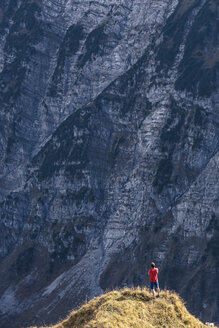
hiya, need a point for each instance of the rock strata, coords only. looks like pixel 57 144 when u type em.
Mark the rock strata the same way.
pixel 109 152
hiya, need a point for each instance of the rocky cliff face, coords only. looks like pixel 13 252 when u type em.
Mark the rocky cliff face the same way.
pixel 109 152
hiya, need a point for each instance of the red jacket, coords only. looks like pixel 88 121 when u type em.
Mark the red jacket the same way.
pixel 153 273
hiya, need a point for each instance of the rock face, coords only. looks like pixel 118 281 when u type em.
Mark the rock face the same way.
pixel 109 152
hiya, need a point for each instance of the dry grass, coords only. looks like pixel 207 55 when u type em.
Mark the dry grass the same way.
pixel 132 308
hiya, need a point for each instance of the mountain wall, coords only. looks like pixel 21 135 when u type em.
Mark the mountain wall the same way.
pixel 109 152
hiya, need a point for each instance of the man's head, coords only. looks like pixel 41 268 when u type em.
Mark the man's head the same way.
pixel 152 265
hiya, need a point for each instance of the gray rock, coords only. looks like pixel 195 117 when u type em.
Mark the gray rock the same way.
pixel 109 153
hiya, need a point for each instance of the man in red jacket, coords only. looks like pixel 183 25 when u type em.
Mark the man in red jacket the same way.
pixel 153 273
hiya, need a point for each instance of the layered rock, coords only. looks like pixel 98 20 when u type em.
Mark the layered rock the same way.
pixel 109 153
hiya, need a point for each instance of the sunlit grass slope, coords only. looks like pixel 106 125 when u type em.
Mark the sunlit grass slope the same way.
pixel 132 308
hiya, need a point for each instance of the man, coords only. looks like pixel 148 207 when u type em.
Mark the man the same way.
pixel 153 273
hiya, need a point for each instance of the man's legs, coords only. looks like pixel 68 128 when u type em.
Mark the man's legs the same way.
pixel 153 290
pixel 152 287
pixel 157 289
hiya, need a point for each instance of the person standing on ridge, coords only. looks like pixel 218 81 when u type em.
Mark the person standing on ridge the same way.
pixel 153 273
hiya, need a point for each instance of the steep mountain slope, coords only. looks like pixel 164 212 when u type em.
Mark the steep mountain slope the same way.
pixel 57 56
pixel 109 153
pixel 132 308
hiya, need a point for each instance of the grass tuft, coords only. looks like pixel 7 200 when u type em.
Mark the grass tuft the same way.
pixel 132 308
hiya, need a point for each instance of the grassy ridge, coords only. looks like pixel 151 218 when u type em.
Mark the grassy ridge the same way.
pixel 132 308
